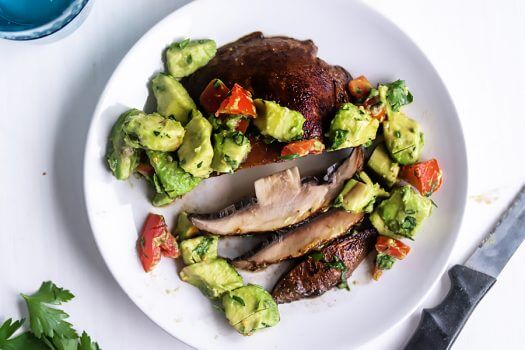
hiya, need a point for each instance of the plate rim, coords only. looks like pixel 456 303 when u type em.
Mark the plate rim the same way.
pixel 461 142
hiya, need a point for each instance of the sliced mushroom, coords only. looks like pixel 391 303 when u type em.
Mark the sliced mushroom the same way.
pixel 282 200
pixel 301 240
pixel 313 277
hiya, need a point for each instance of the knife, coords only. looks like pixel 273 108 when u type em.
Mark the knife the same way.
pixel 439 326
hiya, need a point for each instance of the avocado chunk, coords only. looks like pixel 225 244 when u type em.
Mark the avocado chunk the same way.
pixel 161 199
pixel 173 101
pixel 184 227
pixel 359 194
pixel 250 308
pixel 401 215
pixel 229 151
pixel 169 177
pixel 186 56
pixel 153 132
pixel 352 126
pixel 196 152
pixel 121 158
pixel 198 249
pixel 213 278
pixel 281 123
pixel 383 166
pixel 403 138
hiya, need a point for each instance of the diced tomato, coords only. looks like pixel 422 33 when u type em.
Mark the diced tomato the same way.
pixel 392 247
pixel 212 96
pixel 154 239
pixel 242 126
pixel 377 273
pixel 239 102
pixel 376 108
pixel 302 148
pixel 145 169
pixel 169 247
pixel 425 176
pixel 359 88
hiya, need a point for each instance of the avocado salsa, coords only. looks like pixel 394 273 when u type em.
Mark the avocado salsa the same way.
pixel 182 143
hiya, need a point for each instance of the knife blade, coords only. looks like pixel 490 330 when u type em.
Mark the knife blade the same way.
pixel 440 326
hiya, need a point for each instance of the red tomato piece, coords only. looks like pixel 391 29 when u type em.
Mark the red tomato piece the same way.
pixel 239 102
pixel 360 88
pixel 145 169
pixel 169 246
pixel 212 96
pixel 425 176
pixel 377 273
pixel 392 247
pixel 376 108
pixel 153 240
pixel 302 148
pixel 242 126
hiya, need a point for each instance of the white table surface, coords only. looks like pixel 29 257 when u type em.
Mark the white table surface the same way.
pixel 47 95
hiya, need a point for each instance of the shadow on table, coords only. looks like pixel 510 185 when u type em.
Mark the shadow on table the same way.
pixel 73 127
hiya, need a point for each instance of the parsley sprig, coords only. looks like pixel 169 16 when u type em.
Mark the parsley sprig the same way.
pixel 49 329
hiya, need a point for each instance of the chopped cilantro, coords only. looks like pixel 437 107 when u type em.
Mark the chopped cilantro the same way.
pixel 238 299
pixel 339 138
pixel 337 264
pixel 231 162
pixel 384 262
pixel 238 138
pixel 409 223
pixel 317 256
pixel 203 246
pixel 398 95
pixel 182 44
pixel 290 156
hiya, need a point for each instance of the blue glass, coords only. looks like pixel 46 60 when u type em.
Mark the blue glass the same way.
pixel 32 19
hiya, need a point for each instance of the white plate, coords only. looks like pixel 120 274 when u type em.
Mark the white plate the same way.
pixel 349 34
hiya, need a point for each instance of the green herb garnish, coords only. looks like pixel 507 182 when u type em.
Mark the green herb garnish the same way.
pixel 49 329
pixel 238 299
pixel 45 320
pixel 339 138
pixel 409 223
pixel 238 138
pixel 182 44
pixel 337 264
pixel 203 246
pixel 317 256
pixel 231 162
pixel 398 95
pixel 384 261
pixel 290 156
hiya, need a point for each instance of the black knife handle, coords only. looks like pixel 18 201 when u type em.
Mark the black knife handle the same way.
pixel 440 325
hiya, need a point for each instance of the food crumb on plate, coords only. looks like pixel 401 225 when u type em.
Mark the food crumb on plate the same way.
pixel 485 198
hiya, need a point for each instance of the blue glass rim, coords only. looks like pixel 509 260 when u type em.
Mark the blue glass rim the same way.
pixel 44 30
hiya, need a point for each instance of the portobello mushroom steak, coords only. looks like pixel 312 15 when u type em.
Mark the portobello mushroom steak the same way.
pixel 280 69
